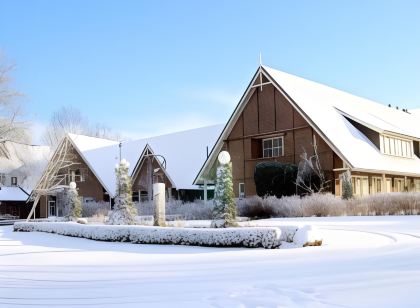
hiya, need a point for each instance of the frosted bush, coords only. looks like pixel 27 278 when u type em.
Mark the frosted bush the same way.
pixel 197 210
pixel 330 205
pixel 95 208
pixel 322 205
pixel 267 237
pixel 124 212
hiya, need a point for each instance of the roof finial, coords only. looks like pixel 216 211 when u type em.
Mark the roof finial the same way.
pixel 260 59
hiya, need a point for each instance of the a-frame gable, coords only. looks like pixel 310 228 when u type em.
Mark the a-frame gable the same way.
pixel 260 79
pixel 149 151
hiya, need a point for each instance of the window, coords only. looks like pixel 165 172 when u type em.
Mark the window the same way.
pixel 13 181
pixel 76 176
pixel 376 185
pixel 399 185
pixel 360 186
pixel 417 185
pixel 2 178
pixel 272 147
pixel 144 196
pixel 241 190
pixel 135 196
pixel 396 146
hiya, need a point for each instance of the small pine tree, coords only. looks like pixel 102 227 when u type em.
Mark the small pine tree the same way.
pixel 224 210
pixel 346 185
pixel 73 205
pixel 124 210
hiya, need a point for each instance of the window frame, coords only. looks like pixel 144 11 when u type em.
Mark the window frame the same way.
pixel 13 181
pixel 272 148
pixel 395 146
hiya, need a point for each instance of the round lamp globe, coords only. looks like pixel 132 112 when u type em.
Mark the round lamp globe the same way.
pixel 72 185
pixel 224 157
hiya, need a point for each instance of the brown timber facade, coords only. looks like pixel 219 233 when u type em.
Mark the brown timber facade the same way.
pixel 268 115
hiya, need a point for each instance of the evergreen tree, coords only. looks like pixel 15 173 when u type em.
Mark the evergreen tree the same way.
pixel 73 205
pixel 346 185
pixel 124 210
pixel 224 210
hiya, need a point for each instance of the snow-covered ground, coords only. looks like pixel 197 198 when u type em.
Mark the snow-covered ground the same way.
pixel 364 262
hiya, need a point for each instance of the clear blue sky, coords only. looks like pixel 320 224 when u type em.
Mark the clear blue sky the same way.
pixel 147 67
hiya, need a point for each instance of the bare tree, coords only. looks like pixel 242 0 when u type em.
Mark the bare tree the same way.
pixel 70 120
pixel 55 175
pixel 310 176
pixel 11 129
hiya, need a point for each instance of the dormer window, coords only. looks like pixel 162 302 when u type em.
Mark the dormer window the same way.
pixel 396 146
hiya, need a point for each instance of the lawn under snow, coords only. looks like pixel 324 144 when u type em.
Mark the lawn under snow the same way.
pixel 364 262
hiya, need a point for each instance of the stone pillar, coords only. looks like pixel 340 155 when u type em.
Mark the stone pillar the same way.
pixel 159 203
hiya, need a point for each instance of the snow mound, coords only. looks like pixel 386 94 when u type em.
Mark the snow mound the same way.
pixel 307 236
pixel 266 237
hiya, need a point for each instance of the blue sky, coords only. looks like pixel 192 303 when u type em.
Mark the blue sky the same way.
pixel 149 67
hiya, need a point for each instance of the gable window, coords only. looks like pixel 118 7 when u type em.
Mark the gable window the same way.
pixel 396 146
pixel 13 181
pixel 273 147
pixel 76 175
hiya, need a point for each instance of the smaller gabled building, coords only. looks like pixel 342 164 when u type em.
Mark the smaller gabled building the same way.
pixel 90 162
pixel 21 166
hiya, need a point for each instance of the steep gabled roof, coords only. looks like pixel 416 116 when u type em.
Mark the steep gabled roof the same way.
pixel 184 153
pixel 326 109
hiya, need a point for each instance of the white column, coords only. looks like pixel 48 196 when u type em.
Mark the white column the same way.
pixel 205 191
pixel 159 203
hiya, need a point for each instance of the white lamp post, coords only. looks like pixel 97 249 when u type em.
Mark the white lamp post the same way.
pixel 224 157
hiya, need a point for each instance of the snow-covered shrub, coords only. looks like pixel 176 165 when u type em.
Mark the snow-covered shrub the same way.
pixel 224 211
pixel 322 205
pixel 291 206
pixel 398 203
pixel 95 208
pixel 252 207
pixel 82 221
pixel 284 206
pixel 124 212
pixel 197 210
pixel 267 237
pixel 346 185
pixel 72 202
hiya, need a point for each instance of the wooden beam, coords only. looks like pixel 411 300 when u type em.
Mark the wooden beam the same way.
pixel 32 212
pixel 262 135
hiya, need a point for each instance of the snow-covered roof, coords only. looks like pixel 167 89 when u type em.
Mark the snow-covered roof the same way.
pixel 184 152
pixel 86 143
pixel 12 194
pixel 326 110
pixel 325 107
pixel 26 160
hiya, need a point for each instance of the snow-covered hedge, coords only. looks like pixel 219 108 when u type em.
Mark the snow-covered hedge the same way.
pixel 267 237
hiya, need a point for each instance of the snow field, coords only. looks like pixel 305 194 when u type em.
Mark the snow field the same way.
pixel 266 237
pixel 366 261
